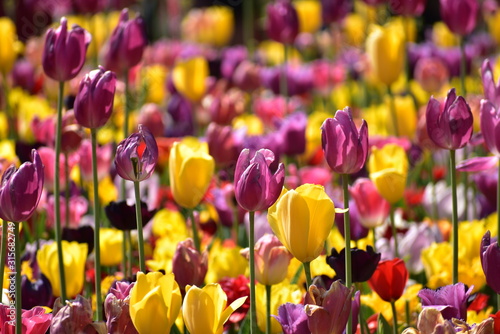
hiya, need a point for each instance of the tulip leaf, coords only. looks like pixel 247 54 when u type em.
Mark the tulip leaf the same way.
pixel 245 325
pixel 383 326
pixel 174 330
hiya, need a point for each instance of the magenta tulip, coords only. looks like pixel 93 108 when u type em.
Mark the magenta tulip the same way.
pixel 94 100
pixel 345 148
pixel 490 126
pixel 491 89
pixel 188 265
pixel 334 10
pixel 126 45
pixel 257 188
pixel 459 15
pixel 407 7
pixel 490 261
pixel 20 190
pixel 373 209
pixel 131 162
pixel 282 22
pixel 64 52
pixel 449 126
pixel 224 144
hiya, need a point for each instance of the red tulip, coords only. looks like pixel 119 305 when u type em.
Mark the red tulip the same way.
pixel 389 279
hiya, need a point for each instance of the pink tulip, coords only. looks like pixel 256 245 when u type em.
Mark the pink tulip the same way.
pixel 35 321
pixel 373 209
pixel 47 155
pixel 78 206
pixel 104 156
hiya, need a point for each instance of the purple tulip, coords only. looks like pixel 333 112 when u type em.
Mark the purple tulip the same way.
pixel 116 307
pixel 300 79
pixel 407 7
pixel 222 199
pixel 23 75
pixel 459 15
pixel 292 318
pixel 363 264
pixel 72 317
pixel 20 190
pixel 282 22
pixel 256 187
pixel 490 126
pixel 231 58
pixel 126 45
pixel 189 265
pixel 180 110
pixel 94 100
pixel 491 89
pixel 131 162
pixel 334 10
pixel 345 148
pixel 64 52
pixel 449 126
pixel 292 131
pixel 450 300
pixel 490 261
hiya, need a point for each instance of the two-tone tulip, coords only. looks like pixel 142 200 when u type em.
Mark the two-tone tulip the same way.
pixel 373 209
pixel 459 15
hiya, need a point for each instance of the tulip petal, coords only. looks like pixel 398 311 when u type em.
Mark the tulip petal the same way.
pixel 477 164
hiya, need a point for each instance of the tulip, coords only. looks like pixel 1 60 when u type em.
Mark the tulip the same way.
pixel 328 311
pixel 282 22
pixel 94 100
pixel 385 50
pixel 64 52
pixel 47 155
pixel 490 260
pixel 7 48
pixel 234 288
pixel 83 235
pixel 122 216
pixel 155 302
pixel 345 148
pixel 293 319
pixel 407 8
pixel 363 264
pixel 431 73
pixel 189 77
pixel 212 25
pixel 449 126
pixel 356 229
pixel 459 15
pixel 231 57
pixel 153 117
pixel 181 112
pixel 34 321
pixel 117 308
pixel 36 292
pixel 75 255
pixel 389 279
pixel 223 144
pixel 72 316
pixel 490 120
pixel 373 209
pixel 302 220
pixel 491 89
pixel 78 206
pixel 293 132
pixel 309 14
pixel 451 300
pixel 126 44
pixel 188 265
pixel 256 187
pixel 110 242
pixel 204 310
pixel 334 10
pixel 131 161
pixel 104 156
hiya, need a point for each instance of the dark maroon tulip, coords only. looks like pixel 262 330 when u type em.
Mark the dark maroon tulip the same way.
pixel 459 15
pixel 282 22
pixel 407 7
pixel 94 100
pixel 72 317
pixel 449 126
pixel 131 162
pixel 20 190
pixel 256 187
pixel 189 265
pixel 223 144
pixel 126 45
pixel 64 51
pixel 451 300
pixel 122 216
pixel 334 10
pixel 345 148
pixel 364 263
pixel 490 261
pixel 490 87
pixel 37 292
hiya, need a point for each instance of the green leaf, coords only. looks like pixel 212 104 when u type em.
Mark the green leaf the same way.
pixel 383 326
pixel 175 330
pixel 245 325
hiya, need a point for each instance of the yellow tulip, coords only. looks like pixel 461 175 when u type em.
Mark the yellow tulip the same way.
pixel 153 79
pixel 388 168
pixel 191 169
pixel 493 23
pixel 444 37
pixel 111 241
pixel 252 123
pixel 74 257
pixel 225 260
pixel 385 50
pixel 309 12
pixel 354 28
pixel 204 310
pixel 155 302
pixel 189 77
pixel 302 219
pixel 7 44
pixel 211 25
pixel 406 116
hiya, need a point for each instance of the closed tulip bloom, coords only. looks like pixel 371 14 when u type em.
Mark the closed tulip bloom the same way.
pixel 490 87
pixel 133 162
pixel 385 50
pixel 189 77
pixel 328 311
pixel 126 44
pixel 459 15
pixel 256 187
pixel 373 209
pixel 155 302
pixel 302 219
pixel 204 310
pixel 345 148
pixel 223 144
pixel 64 51
pixel 335 10
pixel 111 242
pixel 309 14
pixel 389 279
pixel 407 7
pixel 282 22
pixel 94 100
pixel 490 261
pixel 188 265
pixel 363 263
pixel 449 126
pixel 20 190
pixel 388 168
pixel 75 256
pixel 191 169
pixel 7 45
pixel 490 126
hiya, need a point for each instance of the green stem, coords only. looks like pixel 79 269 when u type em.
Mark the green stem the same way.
pixel 498 302
pixel 392 111
pixel 194 230
pixel 57 202
pixel 66 193
pixel 248 18
pixel 3 254
pixel 251 246
pixel 394 231
pixel 407 312
pixel 268 309
pixel 140 238
pixel 123 189
pixel 394 318
pixel 374 240
pixel 347 237
pixel 454 217
pixel 17 246
pixel 463 67
pixel 97 225
pixel 307 271
pixel 124 254
pixel 129 253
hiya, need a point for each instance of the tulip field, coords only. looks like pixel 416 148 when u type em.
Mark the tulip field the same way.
pixel 250 167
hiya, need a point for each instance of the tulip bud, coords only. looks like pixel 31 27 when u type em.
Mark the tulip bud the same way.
pixel 292 131
pixel 363 263
pixel 23 75
pixel 188 265
pixel 431 73
pixel 64 52
pixel 407 7
pixel 491 89
pixel 334 10
pixel 189 77
pixel 282 22
pixel 459 15
pixel 223 144
pixel 94 100
pixel 490 261
pixel 389 279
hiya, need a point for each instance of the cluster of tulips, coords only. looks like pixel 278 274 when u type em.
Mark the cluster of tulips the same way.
pixel 337 178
